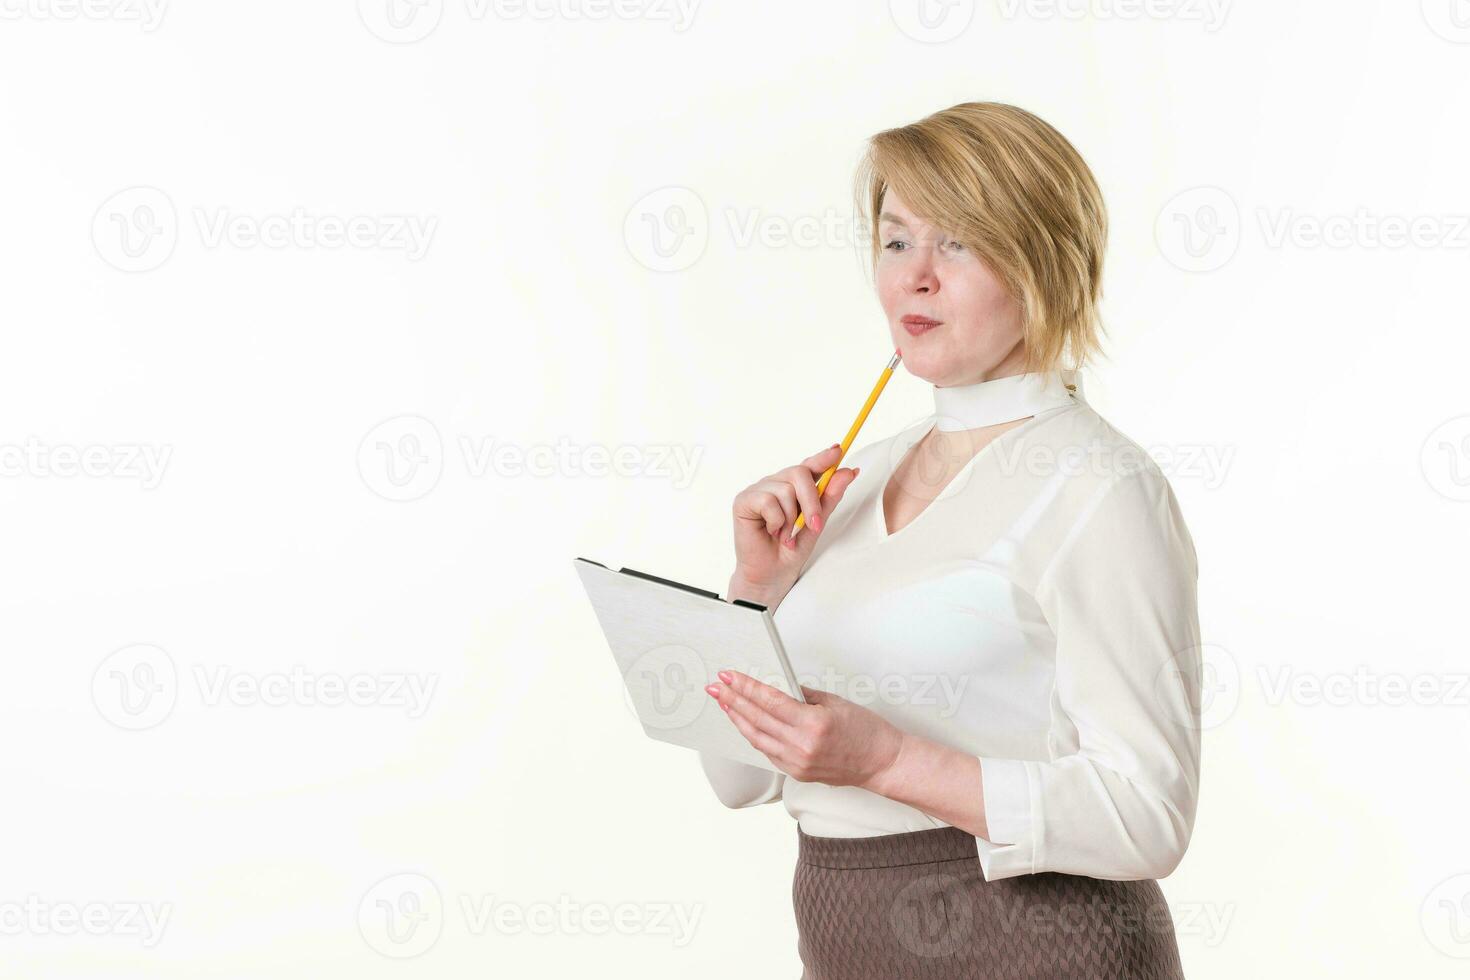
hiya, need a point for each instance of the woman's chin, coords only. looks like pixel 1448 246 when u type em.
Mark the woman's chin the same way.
pixel 923 363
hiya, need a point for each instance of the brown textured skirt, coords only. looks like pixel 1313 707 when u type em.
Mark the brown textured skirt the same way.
pixel 914 906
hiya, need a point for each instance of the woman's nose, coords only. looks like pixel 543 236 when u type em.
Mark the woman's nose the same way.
pixel 919 276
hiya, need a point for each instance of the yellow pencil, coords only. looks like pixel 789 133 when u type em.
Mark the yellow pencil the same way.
pixel 851 435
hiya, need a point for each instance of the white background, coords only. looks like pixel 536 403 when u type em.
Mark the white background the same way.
pixel 336 429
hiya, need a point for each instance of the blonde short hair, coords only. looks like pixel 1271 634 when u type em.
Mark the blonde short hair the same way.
pixel 1009 186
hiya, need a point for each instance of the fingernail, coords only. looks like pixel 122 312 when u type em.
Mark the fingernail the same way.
pixel 712 690
pixel 724 675
pixel 817 522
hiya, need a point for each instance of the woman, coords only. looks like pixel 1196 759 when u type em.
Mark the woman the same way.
pixel 1000 753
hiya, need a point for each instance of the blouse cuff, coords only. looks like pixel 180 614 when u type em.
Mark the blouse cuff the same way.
pixel 1010 816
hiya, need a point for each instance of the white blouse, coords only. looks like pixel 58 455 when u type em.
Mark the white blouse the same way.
pixel 1039 613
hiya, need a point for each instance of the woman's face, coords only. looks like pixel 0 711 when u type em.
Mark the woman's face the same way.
pixel 924 273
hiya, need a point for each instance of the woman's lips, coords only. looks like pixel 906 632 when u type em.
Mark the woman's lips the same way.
pixel 917 325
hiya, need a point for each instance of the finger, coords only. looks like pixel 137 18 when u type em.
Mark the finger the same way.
pixel 836 489
pixel 769 508
pixel 829 499
pixel 806 494
pixel 772 747
pixel 815 696
pixel 758 719
pixel 784 495
pixel 758 699
pixel 818 463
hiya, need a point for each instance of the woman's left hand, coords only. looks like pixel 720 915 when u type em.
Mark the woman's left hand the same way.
pixel 829 740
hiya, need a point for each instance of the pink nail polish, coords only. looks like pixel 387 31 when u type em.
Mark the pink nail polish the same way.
pixel 724 675
pixel 712 690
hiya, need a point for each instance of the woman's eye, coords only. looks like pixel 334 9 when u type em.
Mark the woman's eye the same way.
pixel 957 246
pixel 893 243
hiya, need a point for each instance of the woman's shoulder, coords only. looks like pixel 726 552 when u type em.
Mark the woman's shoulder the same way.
pixel 1088 449
pixel 1109 496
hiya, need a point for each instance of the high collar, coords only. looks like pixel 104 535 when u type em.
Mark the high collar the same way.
pixel 1004 399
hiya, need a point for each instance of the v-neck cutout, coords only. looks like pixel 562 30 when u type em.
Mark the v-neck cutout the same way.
pixel 951 487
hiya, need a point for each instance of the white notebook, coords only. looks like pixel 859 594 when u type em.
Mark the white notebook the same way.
pixel 669 640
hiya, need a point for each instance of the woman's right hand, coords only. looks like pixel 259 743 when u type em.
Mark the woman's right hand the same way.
pixel 766 511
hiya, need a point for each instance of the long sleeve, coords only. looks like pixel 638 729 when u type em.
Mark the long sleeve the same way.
pixel 738 785
pixel 1117 800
